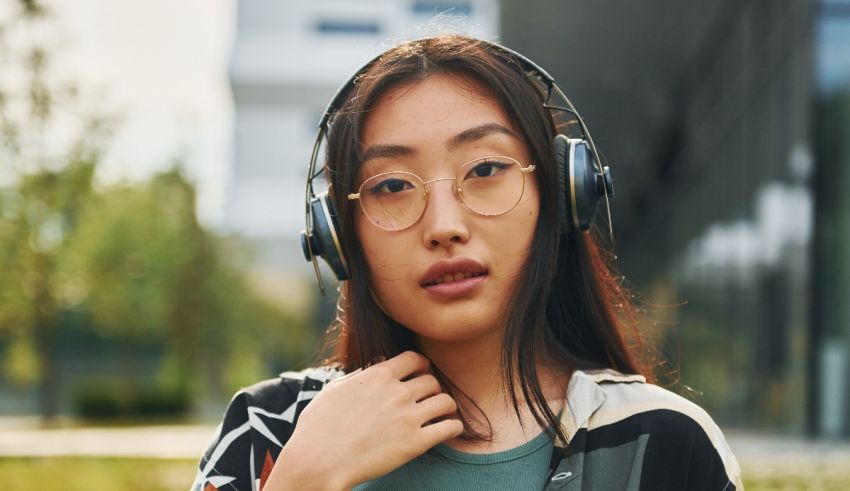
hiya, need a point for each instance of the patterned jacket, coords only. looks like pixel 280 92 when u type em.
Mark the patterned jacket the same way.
pixel 624 434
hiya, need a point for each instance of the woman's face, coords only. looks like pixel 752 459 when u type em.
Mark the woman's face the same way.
pixel 446 277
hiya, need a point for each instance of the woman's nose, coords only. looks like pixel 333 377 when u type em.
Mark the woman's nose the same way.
pixel 445 218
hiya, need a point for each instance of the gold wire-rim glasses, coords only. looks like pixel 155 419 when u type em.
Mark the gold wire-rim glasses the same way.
pixel 457 188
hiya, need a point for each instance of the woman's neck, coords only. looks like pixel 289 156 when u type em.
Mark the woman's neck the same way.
pixel 474 367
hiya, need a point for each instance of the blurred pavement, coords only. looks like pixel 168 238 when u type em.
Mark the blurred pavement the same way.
pixel 21 437
pixel 763 456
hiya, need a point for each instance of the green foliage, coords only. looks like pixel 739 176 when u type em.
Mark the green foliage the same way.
pixel 102 399
pixel 131 246
pixel 109 397
pixel 130 258
pixel 134 260
pixel 154 400
pixel 20 363
pixel 32 7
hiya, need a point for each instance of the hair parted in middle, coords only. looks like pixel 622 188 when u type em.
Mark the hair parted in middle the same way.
pixel 567 308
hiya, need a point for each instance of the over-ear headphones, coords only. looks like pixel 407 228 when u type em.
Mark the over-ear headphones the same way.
pixel 583 180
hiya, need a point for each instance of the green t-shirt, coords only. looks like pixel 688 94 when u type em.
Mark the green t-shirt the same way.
pixel 445 469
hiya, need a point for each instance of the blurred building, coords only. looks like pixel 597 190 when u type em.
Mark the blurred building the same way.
pixel 726 124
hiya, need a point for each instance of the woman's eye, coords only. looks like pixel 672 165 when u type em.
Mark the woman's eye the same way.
pixel 390 186
pixel 487 169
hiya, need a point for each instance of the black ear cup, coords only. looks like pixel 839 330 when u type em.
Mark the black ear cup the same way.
pixel 324 236
pixel 582 185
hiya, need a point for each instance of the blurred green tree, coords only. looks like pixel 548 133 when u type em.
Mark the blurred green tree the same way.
pixel 38 220
pixel 141 258
pixel 44 188
pixel 130 257
pixel 151 273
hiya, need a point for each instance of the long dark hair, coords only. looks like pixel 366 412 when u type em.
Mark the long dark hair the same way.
pixel 568 307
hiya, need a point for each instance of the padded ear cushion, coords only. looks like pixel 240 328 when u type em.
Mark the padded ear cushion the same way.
pixel 585 183
pixel 561 147
pixel 324 239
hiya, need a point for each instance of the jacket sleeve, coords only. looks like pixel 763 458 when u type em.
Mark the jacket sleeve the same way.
pixel 257 424
pixel 228 461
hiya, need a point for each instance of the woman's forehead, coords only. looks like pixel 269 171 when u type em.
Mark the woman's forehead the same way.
pixel 442 84
pixel 440 111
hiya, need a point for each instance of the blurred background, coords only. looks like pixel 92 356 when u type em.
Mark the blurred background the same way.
pixel 152 165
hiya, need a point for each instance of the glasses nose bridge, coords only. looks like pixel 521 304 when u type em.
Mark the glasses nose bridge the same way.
pixel 455 189
pixel 440 179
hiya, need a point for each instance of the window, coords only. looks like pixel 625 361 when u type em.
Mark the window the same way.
pixel 348 27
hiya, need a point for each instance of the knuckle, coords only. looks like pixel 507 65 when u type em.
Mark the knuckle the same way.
pixel 406 392
pixel 430 380
pixel 457 428
pixel 416 357
pixel 447 401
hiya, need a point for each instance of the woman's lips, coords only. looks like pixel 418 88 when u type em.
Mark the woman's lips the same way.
pixel 449 277
pixel 453 277
pixel 456 288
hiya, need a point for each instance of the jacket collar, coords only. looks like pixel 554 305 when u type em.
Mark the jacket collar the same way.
pixel 585 396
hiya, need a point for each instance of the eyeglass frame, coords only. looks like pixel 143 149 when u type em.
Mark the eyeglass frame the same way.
pixel 457 189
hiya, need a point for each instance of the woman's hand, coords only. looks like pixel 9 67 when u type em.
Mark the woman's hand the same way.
pixel 365 425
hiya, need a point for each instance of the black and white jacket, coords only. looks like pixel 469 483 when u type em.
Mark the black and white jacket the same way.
pixel 624 434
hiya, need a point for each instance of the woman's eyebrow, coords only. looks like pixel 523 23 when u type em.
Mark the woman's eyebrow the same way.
pixel 477 133
pixel 384 151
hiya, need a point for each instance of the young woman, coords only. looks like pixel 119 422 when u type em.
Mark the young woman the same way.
pixel 483 342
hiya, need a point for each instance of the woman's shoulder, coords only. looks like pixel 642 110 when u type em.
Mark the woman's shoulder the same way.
pixel 257 423
pixel 666 425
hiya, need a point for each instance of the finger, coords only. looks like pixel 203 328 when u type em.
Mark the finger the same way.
pixel 439 432
pixel 433 407
pixel 406 364
pixel 423 386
